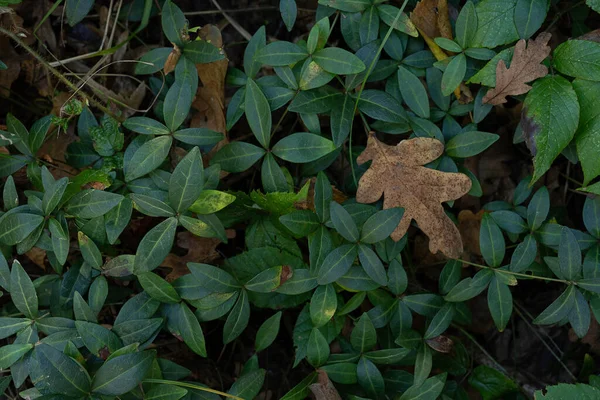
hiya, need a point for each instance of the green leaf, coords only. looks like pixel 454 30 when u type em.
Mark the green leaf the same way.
pixel 186 181
pixel 202 52
pixel 549 122
pixel 97 338
pixel 509 221
pixel 381 106
pixel 177 105
pixel 165 392
pixel 152 61
pixel 77 10
pixel 121 374
pixel 145 126
pixel 314 101
pixel 369 378
pixel 151 206
pixel 53 195
pixel 211 201
pixel 22 291
pixel 281 53
pixel 569 255
pixel 559 309
pixel 158 288
pixel 454 74
pixel 579 59
pixel 388 15
pixel 338 61
pixel 14 228
pixel 496 24
pixel 565 391
pixel 344 373
pixel 440 322
pixel 369 25
pixel 491 384
pixel 60 241
pixel 267 332
pixel 469 287
pixel 38 133
pixel 313 76
pixel 323 305
pixel 173 23
pixel 317 351
pixel 372 265
pixel 198 136
pixel 491 242
pixel 155 246
pixel 380 225
pixel 500 303
pixel 137 330
pixel 258 113
pixel 10 195
pixel 343 222
pixel 52 371
pixel 303 147
pixel 591 215
pixel 189 328
pixel 117 219
pixel 258 41
pixel 92 203
pixel 538 208
pixel 323 197
pixel 288 11
pixel 413 92
pixel 214 278
pixel 11 353
pixel 238 318
pixel 300 223
pixel 589 126
pixel 524 255
pixel 579 316
pixel 336 264
pixel 470 143
pixel 363 337
pixel 248 385
pixel 237 156
pixel 98 293
pixel 466 25
pixel 341 119
pixel 268 280
pixel 529 16
pixel 448 44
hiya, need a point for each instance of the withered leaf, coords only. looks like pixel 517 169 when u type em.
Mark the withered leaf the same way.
pixel 398 172
pixel 524 67
pixel 431 17
pixel 324 389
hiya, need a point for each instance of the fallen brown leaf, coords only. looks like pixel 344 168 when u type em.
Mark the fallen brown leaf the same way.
pixel 172 60
pixel 309 203
pixel 37 256
pixel 469 225
pixel 431 17
pixel 399 172
pixel 200 250
pixel 210 97
pixel 13 62
pixel 524 67
pixel 324 389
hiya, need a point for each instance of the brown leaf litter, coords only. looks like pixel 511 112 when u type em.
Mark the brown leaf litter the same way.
pixel 399 173
pixel 524 67
pixel 431 17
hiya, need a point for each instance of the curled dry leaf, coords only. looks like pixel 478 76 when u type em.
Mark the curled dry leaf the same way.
pixel 431 17
pixel 172 60
pixel 524 67
pixel 324 389
pixel 398 173
pixel 210 97
pixel 441 344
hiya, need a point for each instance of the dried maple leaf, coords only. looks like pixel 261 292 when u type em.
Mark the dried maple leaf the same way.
pixel 398 172
pixel 524 67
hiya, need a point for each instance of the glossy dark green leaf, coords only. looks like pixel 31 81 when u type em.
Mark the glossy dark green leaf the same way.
pixel 363 337
pixel 470 143
pixel 524 255
pixel 258 113
pixel 454 74
pixel 22 291
pixel 569 255
pixel 121 374
pixel 317 351
pixel 538 208
pixel 188 327
pixel 440 322
pixel 301 222
pixel 9 194
pixel 281 53
pixel 369 378
pixel 53 195
pixel 343 222
pixel 380 225
pixel 60 241
pixel 173 23
pixel 491 383
pixel 186 181
pixel 341 120
pixel 470 287
pixel 14 228
pixel 338 61
pixel 198 136
pixel 155 246
pixel 559 309
pixel 77 10
pixel 11 353
pixel 509 221
pixel 323 197
pixel 82 310
pixel 158 288
pixel 145 126
pixel 202 52
pixel 214 278
pixel 315 101
pixel 413 92
pixel 237 156
pixel 491 242
pixel 151 206
pixel 165 392
pixel 580 316
pixel 302 147
pixel 248 385
pixel 54 372
pixel 372 265
pixel 272 175
pixel 92 203
pixel 500 303
pixel 323 305
pixel 97 338
pixel 117 219
pixel 176 105
pixel 344 373
pixel 381 106
pixel 289 11
pixel 267 333
pixel 336 264
pixel 238 318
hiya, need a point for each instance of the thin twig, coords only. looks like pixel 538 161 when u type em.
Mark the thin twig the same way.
pixel 481 348
pixel 233 22
pixel 504 271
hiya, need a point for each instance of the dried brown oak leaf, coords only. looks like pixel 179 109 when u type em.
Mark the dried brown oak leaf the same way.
pixel 524 67
pixel 397 173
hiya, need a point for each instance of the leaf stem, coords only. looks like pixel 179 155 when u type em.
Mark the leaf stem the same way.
pixel 191 386
pixel 504 271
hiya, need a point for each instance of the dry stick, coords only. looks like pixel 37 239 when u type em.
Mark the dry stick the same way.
pixel 544 343
pixel 57 74
pixel 233 22
pixel 481 348
pixel 531 317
